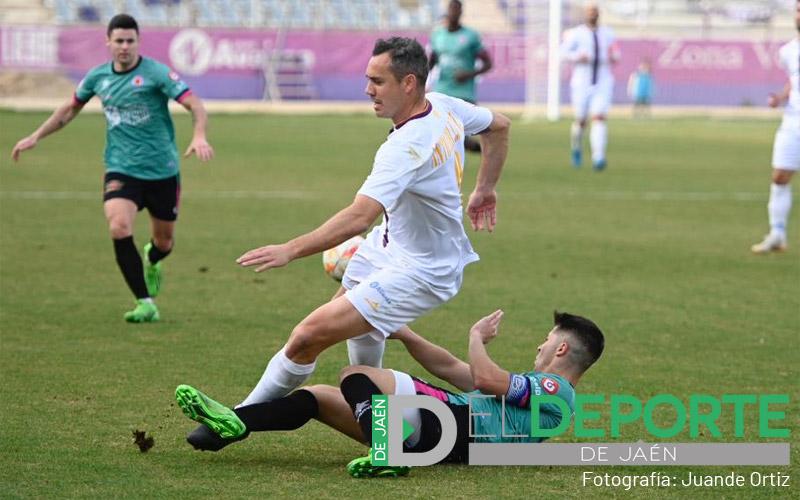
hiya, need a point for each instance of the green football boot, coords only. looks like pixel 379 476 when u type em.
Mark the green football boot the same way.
pixel 145 312
pixel 362 467
pixel 217 417
pixel 152 272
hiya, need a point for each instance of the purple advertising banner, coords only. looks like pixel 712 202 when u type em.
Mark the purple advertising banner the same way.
pixel 329 65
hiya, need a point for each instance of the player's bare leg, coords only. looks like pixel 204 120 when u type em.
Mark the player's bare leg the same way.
pixel 598 139
pixel 779 206
pixel 329 324
pixel 120 215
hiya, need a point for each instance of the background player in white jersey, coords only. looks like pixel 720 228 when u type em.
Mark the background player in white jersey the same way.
pixel 786 149
pixel 413 261
pixel 592 50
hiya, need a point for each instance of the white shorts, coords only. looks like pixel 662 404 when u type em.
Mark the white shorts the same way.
pixel 404 386
pixel 786 149
pixel 591 100
pixel 389 296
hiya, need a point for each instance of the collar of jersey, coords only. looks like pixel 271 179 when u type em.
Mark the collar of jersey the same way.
pixel 428 109
pixel 138 63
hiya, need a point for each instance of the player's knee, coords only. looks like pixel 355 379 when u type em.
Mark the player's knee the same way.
pixel 303 343
pixel 119 228
pixel 352 370
pixel 599 118
pixel 781 177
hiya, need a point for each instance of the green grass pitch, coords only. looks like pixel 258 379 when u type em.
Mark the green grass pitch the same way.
pixel 655 250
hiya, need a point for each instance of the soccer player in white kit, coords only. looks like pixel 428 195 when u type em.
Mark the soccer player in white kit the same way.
pixel 592 51
pixel 786 149
pixel 414 260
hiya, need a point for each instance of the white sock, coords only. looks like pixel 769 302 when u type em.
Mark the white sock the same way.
pixel 576 136
pixel 279 379
pixel 780 203
pixel 598 137
pixel 365 350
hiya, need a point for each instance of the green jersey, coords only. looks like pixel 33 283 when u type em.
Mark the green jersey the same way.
pixel 492 423
pixel 140 138
pixel 456 51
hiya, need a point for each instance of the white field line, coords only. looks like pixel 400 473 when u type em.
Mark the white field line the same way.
pixel 653 196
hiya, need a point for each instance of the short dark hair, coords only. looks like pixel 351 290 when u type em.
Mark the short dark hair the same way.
pixel 124 22
pixel 589 340
pixel 408 57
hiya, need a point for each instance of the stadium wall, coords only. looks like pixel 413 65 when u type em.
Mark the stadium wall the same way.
pixel 229 63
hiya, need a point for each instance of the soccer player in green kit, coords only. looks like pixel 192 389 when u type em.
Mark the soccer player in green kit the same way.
pixel 454 49
pixel 141 158
pixel 568 350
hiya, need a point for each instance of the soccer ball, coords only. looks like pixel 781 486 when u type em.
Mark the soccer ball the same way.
pixel 336 259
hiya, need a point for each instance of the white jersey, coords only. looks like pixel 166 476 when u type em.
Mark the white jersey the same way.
pixel 416 176
pixel 789 57
pixel 599 46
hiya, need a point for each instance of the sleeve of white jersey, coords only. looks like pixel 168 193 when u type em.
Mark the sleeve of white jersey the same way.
pixel 394 169
pixel 570 46
pixel 476 119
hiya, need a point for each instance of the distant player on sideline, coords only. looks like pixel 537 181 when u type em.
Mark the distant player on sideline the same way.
pixel 413 262
pixel 569 349
pixel 786 149
pixel 592 50
pixel 455 49
pixel 141 158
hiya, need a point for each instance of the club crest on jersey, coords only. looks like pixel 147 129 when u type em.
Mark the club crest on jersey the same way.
pixel 137 81
pixel 549 385
pixel 174 76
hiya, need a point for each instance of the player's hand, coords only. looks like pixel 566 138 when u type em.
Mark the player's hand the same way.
pixel 401 334
pixel 23 145
pixel 201 148
pixel 482 210
pixel 773 101
pixel 462 76
pixel 486 327
pixel 266 257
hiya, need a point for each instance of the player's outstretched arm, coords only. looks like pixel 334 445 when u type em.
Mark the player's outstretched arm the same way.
pixel 199 144
pixel 482 206
pixel 436 359
pixel 58 120
pixel 487 376
pixel 349 222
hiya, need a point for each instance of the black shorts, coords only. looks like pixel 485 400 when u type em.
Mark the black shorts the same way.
pixel 431 428
pixel 161 197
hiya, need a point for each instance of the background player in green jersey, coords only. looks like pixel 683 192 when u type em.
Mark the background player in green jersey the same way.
pixel 141 158
pixel 455 50
pixel 569 349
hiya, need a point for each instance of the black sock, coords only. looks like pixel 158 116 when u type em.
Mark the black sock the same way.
pixel 130 263
pixel 283 414
pixel 155 254
pixel 358 390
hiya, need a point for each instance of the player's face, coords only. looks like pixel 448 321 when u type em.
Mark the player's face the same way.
pixel 592 14
pixel 546 351
pixel 124 46
pixel 454 13
pixel 382 87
